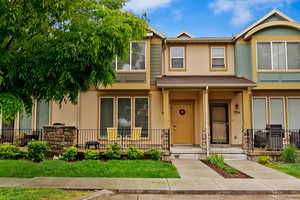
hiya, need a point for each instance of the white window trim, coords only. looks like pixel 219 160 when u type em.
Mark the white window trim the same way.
pixel 130 59
pixel 212 57
pixel 286 56
pixel 171 58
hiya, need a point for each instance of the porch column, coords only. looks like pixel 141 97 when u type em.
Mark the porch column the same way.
pixel 206 135
pixel 246 109
pixel 166 108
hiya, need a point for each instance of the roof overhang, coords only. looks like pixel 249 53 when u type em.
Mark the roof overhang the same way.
pixel 203 82
pixel 202 40
pixel 271 24
pixel 258 22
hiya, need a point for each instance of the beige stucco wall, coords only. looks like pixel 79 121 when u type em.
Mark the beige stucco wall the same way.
pixel 236 120
pixel 89 110
pixel 156 110
pixel 67 114
pixel 198 60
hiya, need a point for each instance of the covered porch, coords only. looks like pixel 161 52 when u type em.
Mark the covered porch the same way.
pixel 207 112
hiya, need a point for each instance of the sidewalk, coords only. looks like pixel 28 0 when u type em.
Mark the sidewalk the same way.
pixel 196 179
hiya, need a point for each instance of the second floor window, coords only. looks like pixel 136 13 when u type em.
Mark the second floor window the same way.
pixel 136 60
pixel 218 57
pixel 278 56
pixel 177 57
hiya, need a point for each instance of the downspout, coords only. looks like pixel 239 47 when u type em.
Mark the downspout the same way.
pixel 207 121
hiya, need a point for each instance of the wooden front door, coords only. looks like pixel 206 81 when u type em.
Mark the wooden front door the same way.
pixel 182 122
pixel 219 123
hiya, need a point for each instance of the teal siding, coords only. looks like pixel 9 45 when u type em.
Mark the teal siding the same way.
pixel 265 77
pixel 243 64
pixel 280 30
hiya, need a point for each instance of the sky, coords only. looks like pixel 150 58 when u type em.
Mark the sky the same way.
pixel 208 18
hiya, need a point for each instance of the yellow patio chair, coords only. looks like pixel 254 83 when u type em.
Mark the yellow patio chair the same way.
pixel 112 134
pixel 136 133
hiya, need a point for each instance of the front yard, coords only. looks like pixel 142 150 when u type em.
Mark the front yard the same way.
pixel 38 194
pixel 91 168
pixel 291 169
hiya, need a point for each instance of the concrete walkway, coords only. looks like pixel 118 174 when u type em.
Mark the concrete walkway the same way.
pixel 197 178
pixel 194 169
pixel 258 171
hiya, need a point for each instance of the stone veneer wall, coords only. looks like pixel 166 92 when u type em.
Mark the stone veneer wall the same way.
pixel 59 137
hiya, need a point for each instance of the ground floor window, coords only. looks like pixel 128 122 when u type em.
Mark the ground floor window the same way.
pixel 127 114
pixel 284 110
pixel 39 117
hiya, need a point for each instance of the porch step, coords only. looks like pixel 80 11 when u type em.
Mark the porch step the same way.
pixel 194 153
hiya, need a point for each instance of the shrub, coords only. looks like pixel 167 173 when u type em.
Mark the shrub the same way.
pixel 264 160
pixel 154 154
pixel 134 153
pixel 113 151
pixel 8 152
pixel 37 150
pixel 289 154
pixel 91 155
pixel 69 154
pixel 218 160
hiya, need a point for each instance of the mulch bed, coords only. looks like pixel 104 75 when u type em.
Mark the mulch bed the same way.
pixel 224 173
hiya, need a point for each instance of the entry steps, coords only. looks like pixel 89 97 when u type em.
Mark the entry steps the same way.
pixel 196 153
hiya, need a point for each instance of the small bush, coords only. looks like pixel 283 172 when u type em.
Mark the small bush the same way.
pixel 91 155
pixel 264 160
pixel 113 151
pixel 69 154
pixel 8 152
pixel 134 153
pixel 154 154
pixel 37 150
pixel 289 154
pixel 218 160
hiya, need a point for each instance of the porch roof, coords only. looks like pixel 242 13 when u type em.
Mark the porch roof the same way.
pixel 203 81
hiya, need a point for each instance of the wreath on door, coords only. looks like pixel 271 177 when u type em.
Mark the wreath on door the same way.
pixel 182 112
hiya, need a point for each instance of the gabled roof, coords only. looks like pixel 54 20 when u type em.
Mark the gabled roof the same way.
pixel 261 20
pixel 184 34
pixel 156 32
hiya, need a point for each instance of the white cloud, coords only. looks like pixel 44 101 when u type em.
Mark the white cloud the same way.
pixel 243 10
pixel 139 6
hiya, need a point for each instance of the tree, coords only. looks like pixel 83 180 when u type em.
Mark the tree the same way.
pixel 54 49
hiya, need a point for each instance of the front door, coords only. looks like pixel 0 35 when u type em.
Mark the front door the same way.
pixel 182 122
pixel 219 123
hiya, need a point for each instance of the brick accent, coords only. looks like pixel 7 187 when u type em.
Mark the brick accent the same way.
pixel 59 137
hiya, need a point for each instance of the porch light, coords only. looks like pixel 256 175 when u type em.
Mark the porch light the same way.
pixel 237 108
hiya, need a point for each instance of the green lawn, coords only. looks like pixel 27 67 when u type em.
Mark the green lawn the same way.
pixel 291 169
pixel 113 169
pixel 38 194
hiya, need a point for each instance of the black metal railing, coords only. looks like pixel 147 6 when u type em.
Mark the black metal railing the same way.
pixel 20 137
pixel 271 139
pixel 141 138
pixel 96 138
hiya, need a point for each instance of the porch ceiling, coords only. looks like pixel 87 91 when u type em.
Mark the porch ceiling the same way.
pixel 203 81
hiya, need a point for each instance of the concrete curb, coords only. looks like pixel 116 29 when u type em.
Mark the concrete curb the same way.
pixel 103 194
pixel 200 192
